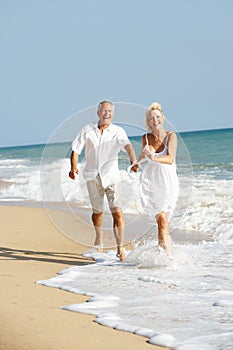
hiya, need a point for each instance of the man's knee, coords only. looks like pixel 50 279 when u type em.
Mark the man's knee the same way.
pixel 117 216
pixel 97 218
pixel 116 212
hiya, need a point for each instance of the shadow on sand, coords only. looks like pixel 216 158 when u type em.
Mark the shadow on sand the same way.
pixel 48 257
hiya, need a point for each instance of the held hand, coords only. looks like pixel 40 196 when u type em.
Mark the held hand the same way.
pixel 72 173
pixel 135 168
pixel 148 153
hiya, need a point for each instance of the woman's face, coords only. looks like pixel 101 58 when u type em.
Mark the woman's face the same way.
pixel 156 119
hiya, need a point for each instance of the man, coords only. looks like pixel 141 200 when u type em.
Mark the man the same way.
pixel 103 141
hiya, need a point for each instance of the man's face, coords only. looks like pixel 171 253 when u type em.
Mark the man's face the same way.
pixel 105 113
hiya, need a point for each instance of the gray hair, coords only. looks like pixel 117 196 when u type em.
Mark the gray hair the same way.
pixel 105 101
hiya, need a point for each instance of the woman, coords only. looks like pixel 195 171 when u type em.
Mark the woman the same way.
pixel 159 182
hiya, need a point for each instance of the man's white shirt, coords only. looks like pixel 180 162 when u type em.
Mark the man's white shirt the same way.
pixel 101 151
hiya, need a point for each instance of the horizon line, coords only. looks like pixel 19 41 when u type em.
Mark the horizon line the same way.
pixel 179 132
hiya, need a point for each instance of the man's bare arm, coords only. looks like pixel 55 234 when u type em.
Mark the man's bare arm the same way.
pixel 73 162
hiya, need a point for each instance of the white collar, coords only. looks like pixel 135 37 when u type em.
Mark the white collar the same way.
pixel 109 128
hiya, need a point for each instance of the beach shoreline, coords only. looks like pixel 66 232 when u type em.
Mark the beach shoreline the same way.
pixel 33 249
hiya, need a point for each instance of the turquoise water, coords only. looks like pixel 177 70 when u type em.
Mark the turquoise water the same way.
pixel 209 150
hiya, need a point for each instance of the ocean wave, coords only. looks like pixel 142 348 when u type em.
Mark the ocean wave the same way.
pixel 205 203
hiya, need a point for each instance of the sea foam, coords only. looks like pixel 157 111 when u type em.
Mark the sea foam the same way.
pixel 184 303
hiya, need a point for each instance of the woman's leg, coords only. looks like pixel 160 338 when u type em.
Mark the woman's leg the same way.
pixel 164 239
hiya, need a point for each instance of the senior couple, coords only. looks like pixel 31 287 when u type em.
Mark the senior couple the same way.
pixel 102 142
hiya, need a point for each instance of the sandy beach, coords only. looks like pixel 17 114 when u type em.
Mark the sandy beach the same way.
pixel 31 318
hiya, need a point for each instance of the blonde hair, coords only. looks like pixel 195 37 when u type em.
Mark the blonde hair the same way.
pixel 152 107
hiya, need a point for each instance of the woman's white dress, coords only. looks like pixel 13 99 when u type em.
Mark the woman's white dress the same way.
pixel 159 186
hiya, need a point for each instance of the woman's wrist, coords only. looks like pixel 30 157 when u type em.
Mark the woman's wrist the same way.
pixel 132 162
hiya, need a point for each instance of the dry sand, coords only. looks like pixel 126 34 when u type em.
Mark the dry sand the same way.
pixel 33 249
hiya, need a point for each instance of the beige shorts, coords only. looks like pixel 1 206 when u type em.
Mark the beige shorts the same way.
pixel 96 193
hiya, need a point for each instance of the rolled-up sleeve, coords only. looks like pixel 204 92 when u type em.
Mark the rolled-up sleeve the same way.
pixel 79 142
pixel 123 139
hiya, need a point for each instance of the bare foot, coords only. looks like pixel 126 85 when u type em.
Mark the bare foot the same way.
pixel 99 248
pixel 121 253
pixel 163 249
pixel 165 243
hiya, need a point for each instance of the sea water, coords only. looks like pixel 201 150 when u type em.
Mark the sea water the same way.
pixel 184 303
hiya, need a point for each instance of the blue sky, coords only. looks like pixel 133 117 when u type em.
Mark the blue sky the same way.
pixel 61 56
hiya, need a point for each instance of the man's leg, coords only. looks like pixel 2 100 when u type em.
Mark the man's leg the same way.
pixel 118 220
pixel 119 228
pixel 96 194
pixel 97 219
